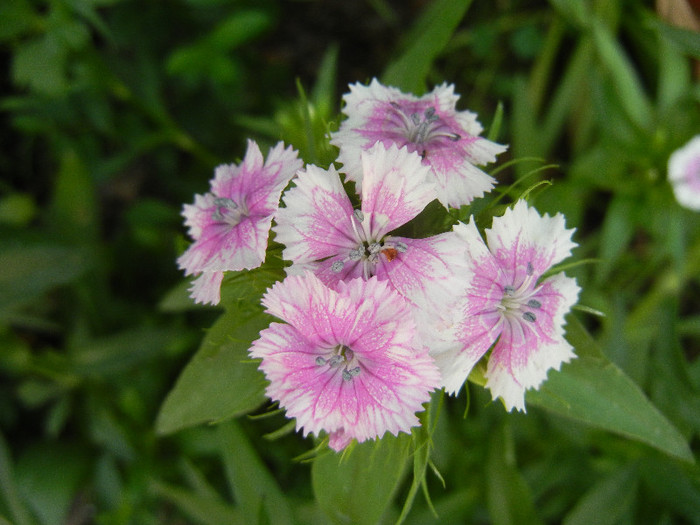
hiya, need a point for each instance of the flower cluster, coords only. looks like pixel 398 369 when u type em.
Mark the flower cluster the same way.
pixel 374 321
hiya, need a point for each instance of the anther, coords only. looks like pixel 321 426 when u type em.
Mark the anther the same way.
pixel 455 137
pixel 529 316
pixel 374 248
pixel 320 361
pixel 359 215
pixel 530 268
pixel 337 267
pixel 356 254
pixel 334 361
pixel 509 290
pixel 401 247
pixel 534 303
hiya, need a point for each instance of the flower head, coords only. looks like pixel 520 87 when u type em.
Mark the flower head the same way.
pixel 231 223
pixel 348 362
pixel 447 140
pixel 684 174
pixel 509 308
pixel 323 233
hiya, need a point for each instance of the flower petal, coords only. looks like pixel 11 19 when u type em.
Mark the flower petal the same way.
pixel 395 188
pixel 526 243
pixel 316 221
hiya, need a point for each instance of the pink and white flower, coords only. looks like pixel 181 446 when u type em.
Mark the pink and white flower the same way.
pixel 509 309
pixel 447 140
pixel 230 224
pixel 324 234
pixel 684 174
pixel 348 362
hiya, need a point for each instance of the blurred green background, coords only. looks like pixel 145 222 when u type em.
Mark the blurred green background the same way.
pixel 113 113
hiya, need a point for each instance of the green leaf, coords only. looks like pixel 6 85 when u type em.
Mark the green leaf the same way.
pixel 8 488
pixel 593 390
pixel 74 205
pixel 509 498
pixel 30 270
pixel 219 382
pixel 49 476
pixel 199 508
pixel 357 486
pixel 427 39
pixel 608 501
pixel 254 488
pixel 627 84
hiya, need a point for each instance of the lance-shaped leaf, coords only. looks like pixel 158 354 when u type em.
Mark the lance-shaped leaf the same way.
pixel 220 381
pixel 593 390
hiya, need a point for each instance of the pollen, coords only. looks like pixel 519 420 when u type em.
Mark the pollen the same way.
pixel 390 253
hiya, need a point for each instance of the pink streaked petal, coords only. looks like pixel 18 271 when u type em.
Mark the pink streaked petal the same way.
pixel 518 362
pixel 308 305
pixel 198 215
pixel 457 180
pixel 395 188
pixel 432 273
pixel 257 184
pixel 316 220
pixel 684 174
pixel 206 288
pixel 475 335
pixel 522 237
pixel 325 272
pixel 338 440
pixel 222 247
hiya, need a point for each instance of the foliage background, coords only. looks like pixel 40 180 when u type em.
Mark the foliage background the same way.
pixel 114 113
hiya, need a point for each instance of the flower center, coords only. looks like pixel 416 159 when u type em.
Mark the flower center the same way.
pixel 367 251
pixel 520 300
pixel 423 129
pixel 342 358
pixel 227 211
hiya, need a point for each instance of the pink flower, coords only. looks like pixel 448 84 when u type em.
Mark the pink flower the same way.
pixel 447 140
pixel 509 308
pixel 348 362
pixel 323 233
pixel 684 174
pixel 231 223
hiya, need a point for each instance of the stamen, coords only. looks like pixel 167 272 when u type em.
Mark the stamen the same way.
pixel 430 115
pixel 534 303
pixel 509 290
pixel 455 137
pixel 529 316
pixel 401 247
pixel 337 266
pixel 356 254
pixel 374 248
pixel 320 360
pixel 359 215
pixel 335 361
pixel 530 268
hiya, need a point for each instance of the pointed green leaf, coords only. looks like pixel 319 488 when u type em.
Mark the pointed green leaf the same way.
pixel 593 390
pixel 220 381
pixel 429 37
pixel 624 77
pixel 509 498
pixel 254 488
pixel 357 487
pixel 200 509
pixel 608 501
